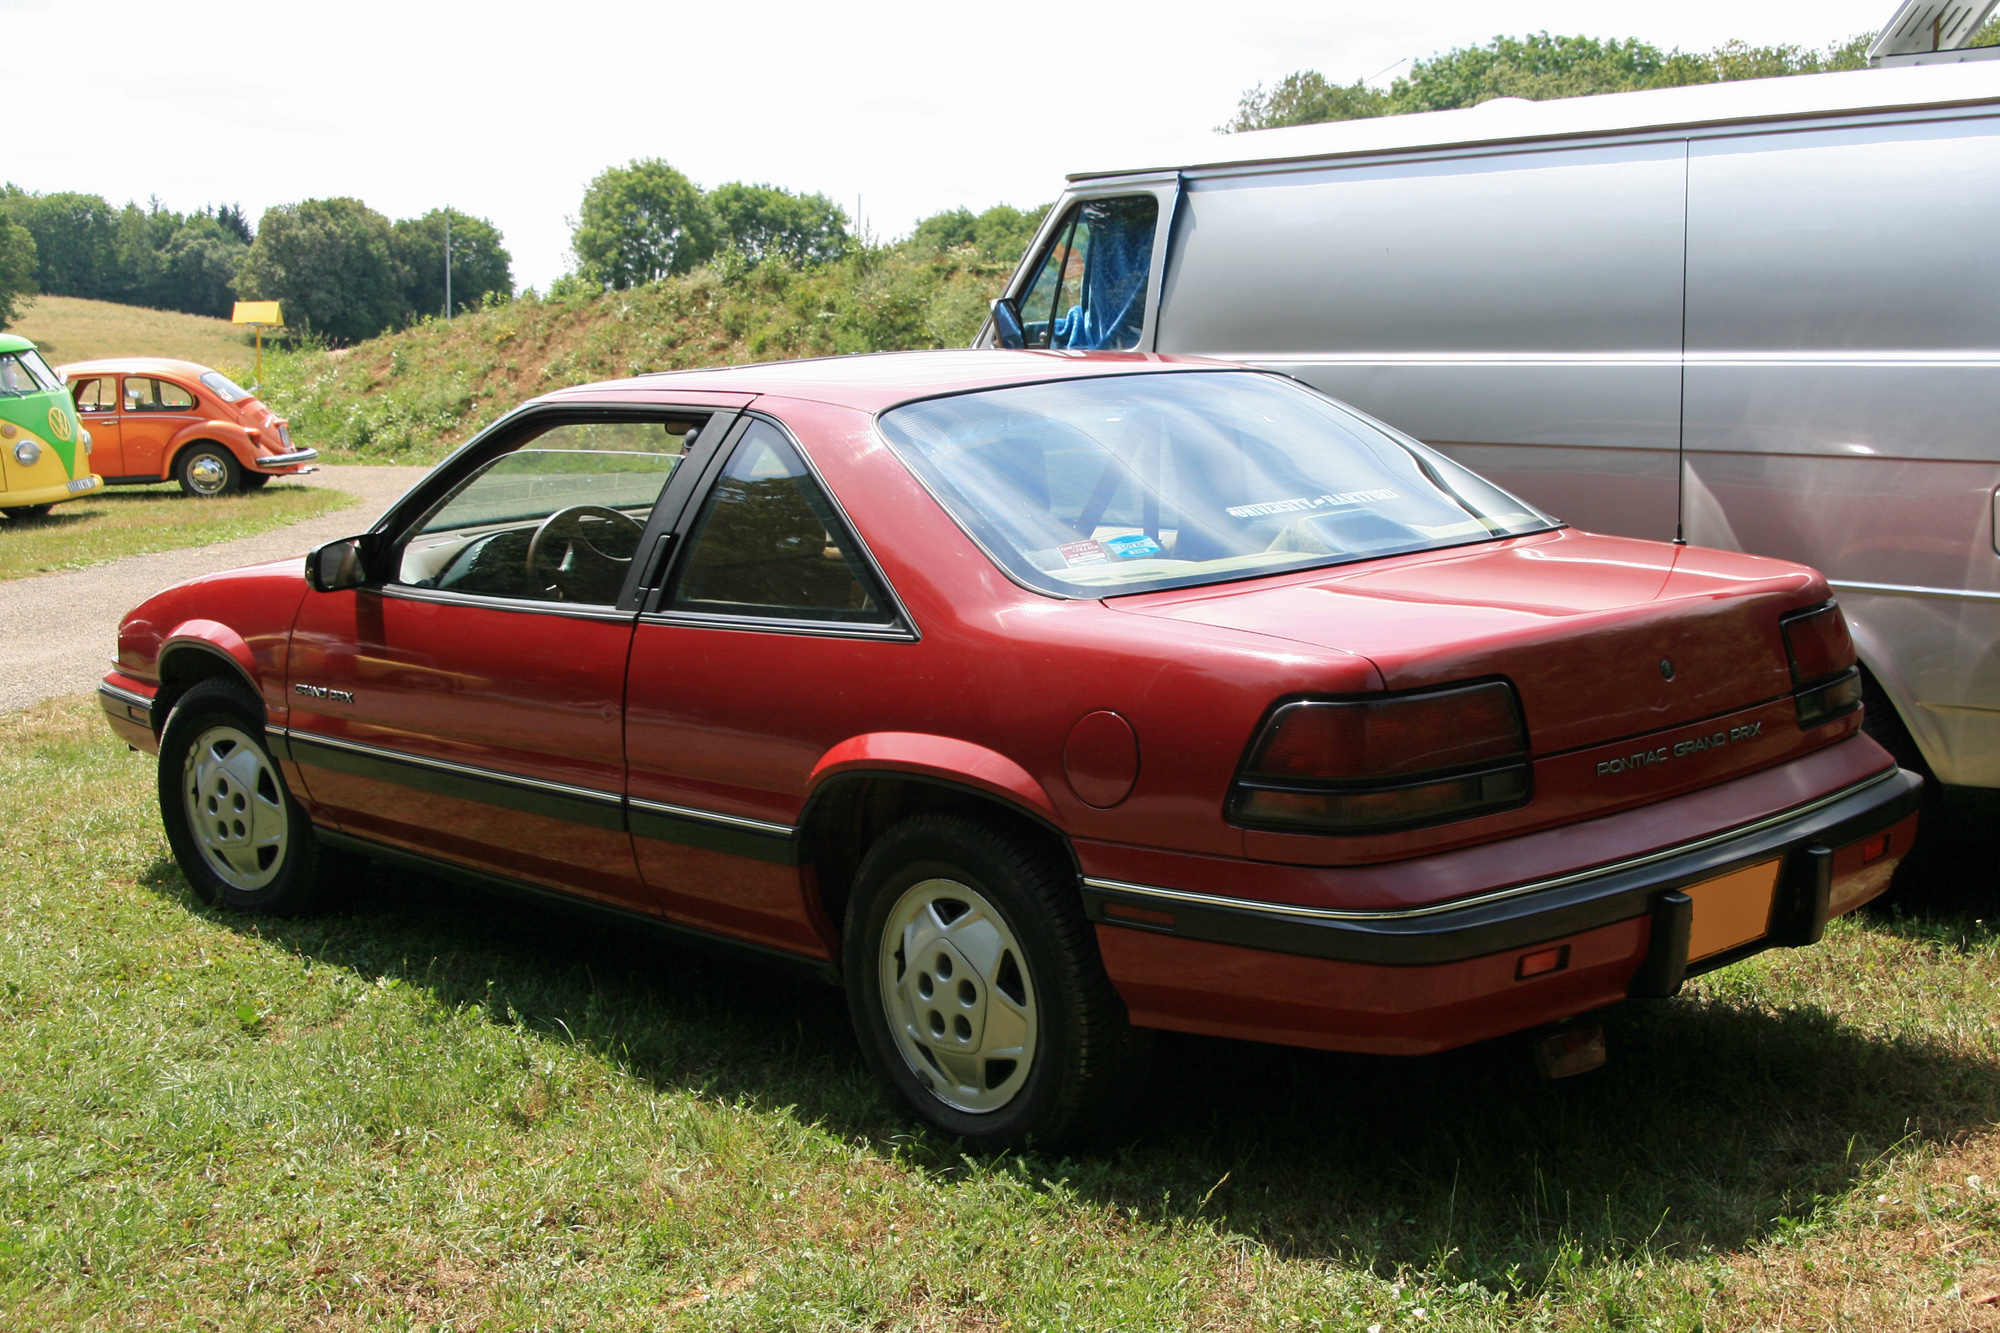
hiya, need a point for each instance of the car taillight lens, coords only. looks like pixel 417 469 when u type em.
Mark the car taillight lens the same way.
pixel 1818 643
pixel 1377 765
pixel 1823 664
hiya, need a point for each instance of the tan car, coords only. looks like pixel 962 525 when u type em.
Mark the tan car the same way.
pixel 151 419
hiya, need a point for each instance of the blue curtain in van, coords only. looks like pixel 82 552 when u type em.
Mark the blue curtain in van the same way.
pixel 1112 310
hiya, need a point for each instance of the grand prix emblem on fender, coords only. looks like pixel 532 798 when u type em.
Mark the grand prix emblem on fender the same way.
pixel 1714 740
pixel 322 692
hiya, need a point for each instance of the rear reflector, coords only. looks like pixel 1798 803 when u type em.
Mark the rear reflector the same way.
pixel 1875 849
pixel 1542 962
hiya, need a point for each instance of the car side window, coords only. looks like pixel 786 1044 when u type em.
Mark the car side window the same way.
pixel 142 394
pixel 172 397
pixel 556 518
pixel 96 395
pixel 769 543
pixel 1089 289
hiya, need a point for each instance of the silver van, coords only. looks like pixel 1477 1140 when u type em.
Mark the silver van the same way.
pixel 1762 316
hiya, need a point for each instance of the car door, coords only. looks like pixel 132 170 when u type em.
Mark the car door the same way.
pixel 155 410
pixel 740 681
pixel 97 408
pixel 468 705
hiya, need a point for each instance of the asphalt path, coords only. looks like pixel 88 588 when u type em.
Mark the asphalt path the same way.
pixel 58 632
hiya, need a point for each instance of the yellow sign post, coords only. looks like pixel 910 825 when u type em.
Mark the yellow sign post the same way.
pixel 259 315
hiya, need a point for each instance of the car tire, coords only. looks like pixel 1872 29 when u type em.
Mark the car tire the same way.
pixel 239 837
pixel 1004 1027
pixel 19 512
pixel 255 481
pixel 207 471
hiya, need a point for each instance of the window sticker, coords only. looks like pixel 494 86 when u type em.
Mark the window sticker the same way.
pixel 1307 502
pixel 1082 553
pixel 1131 546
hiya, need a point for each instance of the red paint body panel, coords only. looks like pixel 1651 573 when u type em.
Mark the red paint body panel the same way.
pixel 1225 991
pixel 986 692
pixel 1428 880
pixel 535 696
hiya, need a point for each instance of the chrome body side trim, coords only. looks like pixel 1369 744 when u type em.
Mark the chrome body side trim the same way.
pixel 1293 912
pixel 1915 590
pixel 764 826
pixel 447 766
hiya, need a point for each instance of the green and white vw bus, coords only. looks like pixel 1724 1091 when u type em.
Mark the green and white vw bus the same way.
pixel 44 450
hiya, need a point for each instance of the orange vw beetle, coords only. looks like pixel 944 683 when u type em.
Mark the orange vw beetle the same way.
pixel 152 419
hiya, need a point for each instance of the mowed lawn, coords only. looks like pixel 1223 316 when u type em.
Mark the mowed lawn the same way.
pixel 437 1111
pixel 69 328
pixel 137 520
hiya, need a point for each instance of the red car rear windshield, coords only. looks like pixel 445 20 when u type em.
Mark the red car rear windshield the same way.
pixel 1130 483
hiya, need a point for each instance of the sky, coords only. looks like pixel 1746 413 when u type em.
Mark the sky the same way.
pixel 894 110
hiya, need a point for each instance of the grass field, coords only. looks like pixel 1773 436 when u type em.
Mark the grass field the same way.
pixel 428 1112
pixel 135 520
pixel 68 328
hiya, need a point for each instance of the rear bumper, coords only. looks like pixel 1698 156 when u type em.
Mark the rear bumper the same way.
pixel 273 462
pixel 1400 980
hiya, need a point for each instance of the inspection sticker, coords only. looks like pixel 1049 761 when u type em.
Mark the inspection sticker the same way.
pixel 1131 546
pixel 1082 553
pixel 1308 502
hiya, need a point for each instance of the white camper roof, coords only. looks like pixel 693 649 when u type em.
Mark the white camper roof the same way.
pixel 1514 120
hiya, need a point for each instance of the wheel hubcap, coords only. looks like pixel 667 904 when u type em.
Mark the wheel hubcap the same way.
pixel 959 999
pixel 235 807
pixel 206 474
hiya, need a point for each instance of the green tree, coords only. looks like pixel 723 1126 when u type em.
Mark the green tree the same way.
pixel 17 268
pixel 999 235
pixel 640 223
pixel 333 264
pixel 1537 67
pixel 76 241
pixel 198 267
pixel 480 263
pixel 763 222
pixel 1306 98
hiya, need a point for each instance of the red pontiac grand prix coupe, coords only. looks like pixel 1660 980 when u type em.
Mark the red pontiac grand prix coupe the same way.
pixel 1041 699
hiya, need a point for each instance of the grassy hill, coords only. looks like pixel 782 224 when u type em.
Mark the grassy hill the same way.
pixel 68 328
pixel 410 397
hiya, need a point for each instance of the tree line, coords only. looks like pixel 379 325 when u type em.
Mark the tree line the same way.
pixel 343 270
pixel 1539 67
pixel 646 221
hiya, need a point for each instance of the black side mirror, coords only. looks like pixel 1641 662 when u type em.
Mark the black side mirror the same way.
pixel 1007 330
pixel 336 565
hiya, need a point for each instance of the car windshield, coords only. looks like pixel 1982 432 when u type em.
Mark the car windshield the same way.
pixel 228 390
pixel 24 373
pixel 1130 483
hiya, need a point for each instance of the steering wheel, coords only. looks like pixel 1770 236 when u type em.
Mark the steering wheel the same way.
pixel 567 552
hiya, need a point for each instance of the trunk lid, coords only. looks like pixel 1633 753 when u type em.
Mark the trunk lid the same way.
pixel 1581 624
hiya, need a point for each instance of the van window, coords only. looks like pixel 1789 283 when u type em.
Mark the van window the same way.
pixel 1089 290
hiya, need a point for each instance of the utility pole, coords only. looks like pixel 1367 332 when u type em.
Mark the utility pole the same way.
pixel 447 263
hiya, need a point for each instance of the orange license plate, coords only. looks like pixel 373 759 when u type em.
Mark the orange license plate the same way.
pixel 1731 910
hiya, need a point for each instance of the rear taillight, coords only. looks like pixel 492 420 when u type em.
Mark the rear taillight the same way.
pixel 1827 682
pixel 1381 764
